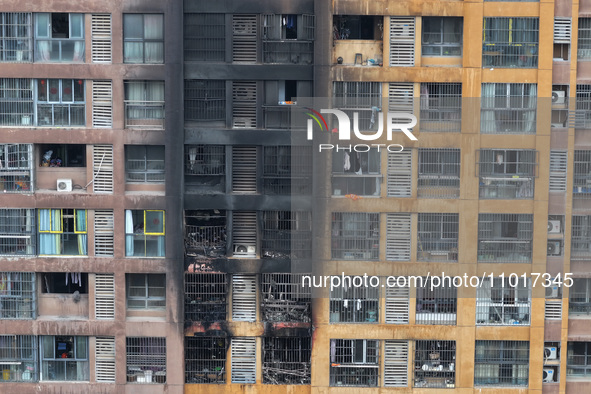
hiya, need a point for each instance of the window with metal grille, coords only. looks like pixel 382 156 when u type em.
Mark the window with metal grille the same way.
pixel 205 37
pixel 18 354
pixel 584 41
pixel 287 360
pixel 205 100
pixel 59 37
pixel 578 360
pixel 354 362
pixel 582 177
pixel 507 173
pixel 442 36
pixel 435 364
pixel 205 168
pixel 205 359
pixel 17 295
pixel 146 291
pixel 441 107
pixel 205 233
pixel 284 299
pixel 288 38
pixel 436 304
pixel 437 237
pixel 580 297
pixel 64 358
pixel 349 304
pixel 146 359
pixel 15 37
pixel 63 232
pixel 439 173
pixel 205 297
pixel 144 104
pixel 144 233
pixel 60 102
pixel 356 173
pixel 508 108
pixel 501 363
pixel 18 232
pixel 365 98
pixel 62 155
pixel 582 106
pixel 510 42
pixel 503 301
pixel 143 38
pixel 402 41
pixel 581 238
pixel 287 234
pixel 505 238
pixel 355 236
pixel 17 107
pixel 287 169
pixel 144 163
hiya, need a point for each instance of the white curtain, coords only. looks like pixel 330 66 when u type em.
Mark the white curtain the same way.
pixel 530 115
pixel 129 249
pixel 154 30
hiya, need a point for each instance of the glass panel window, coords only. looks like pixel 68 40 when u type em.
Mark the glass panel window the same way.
pixel 144 104
pixel 508 108
pixel 18 357
pixel 510 42
pixel 507 174
pixel 62 232
pixel 584 41
pixel 580 297
pixel 59 37
pixel 356 173
pixel 355 236
pixel 505 238
pixel 146 291
pixel 442 36
pixel 144 163
pixel 60 102
pixel 205 37
pixel 501 363
pixel 64 358
pixel 143 38
pixel 578 361
pixel 144 233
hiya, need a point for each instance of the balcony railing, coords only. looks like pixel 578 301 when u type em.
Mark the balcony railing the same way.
pixel 508 188
pixel 208 240
pixel 438 250
pixel 277 116
pixel 504 251
pixel 59 50
pixel 288 52
pixel 61 115
pixel 144 114
pixel 438 186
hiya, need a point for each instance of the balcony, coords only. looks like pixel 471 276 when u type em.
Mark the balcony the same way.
pixel 206 240
pixel 277 116
pixel 504 251
pixel 144 114
pixel 506 188
pixel 438 186
pixel 349 49
pixel 288 52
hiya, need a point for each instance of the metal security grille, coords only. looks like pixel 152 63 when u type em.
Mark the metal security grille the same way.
pixel 18 296
pixel 101 38
pixel 395 363
pixel 287 169
pixel 510 42
pixel 205 99
pixel 398 237
pixel 441 107
pixel 243 363
pixel 507 173
pixel 18 355
pixel 244 105
pixel 584 41
pixel 287 360
pixel 244 38
pixel 503 302
pixel 402 41
pixel 205 233
pixel 102 104
pixel 436 304
pixel 437 237
pixel 581 238
pixel 16 37
pixel 244 169
pixel 146 359
pixel 205 37
pixel 442 36
pixel 104 355
pixel 205 297
pixel 553 310
pixel 284 299
pixel 104 233
pixel 244 297
pixel 582 114
pixel 205 359
pixel 355 236
pixel 278 47
pixel 104 296
pixel 508 108
pixel 435 364
pixel 578 360
pixel 582 177
pixel 399 176
pixel 501 363
pixel 356 173
pixel 102 168
pixel 205 159
pixel 365 98
pixel 17 102
pixel 439 173
pixel 580 297
pixel 505 238
pixel 354 362
pixel 18 232
pixel 354 304
pixel 397 302
pixel 558 170
pixel 16 170
pixel 144 104
pixel 287 234
pixel 562 30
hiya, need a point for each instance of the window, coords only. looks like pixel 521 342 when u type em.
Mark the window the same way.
pixel 144 233
pixel 205 233
pixel 287 234
pixel 144 163
pixel 501 363
pixel 435 364
pixel 505 238
pixel 581 238
pixel 438 237
pixel 582 178
pixel 205 359
pixel 205 100
pixel 503 301
pixel 580 297
pixel 441 107
pixel 16 102
pixel 578 361
pixel 60 102
pixel 146 359
pixel 205 38
pixel 583 106
pixel 64 358
pixel 357 27
pixel 18 356
pixel 349 304
pixel 287 170
pixel 355 236
pixel 17 232
pixel 64 283
pixel 287 360
pixel 508 108
pixel 507 174
pixel 510 42
pixel 205 168
pixel 144 104
pixel 584 42
pixel 365 98
pixel 354 362
pixel 356 173
pixel 59 37
pixel 205 297
pixel 62 155
pixel 284 299
pixel 15 37
pixel 17 296
pixel 442 36
pixel 146 291
pixel 143 38
pixel 288 39
pixel 279 96
pixel 436 304
pixel 439 173
pixel 63 232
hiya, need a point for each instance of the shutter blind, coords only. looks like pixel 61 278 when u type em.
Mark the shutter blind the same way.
pixel 558 163
pixel 397 304
pixel 102 104
pixel 402 41
pixel 562 30
pixel 244 169
pixel 244 298
pixel 101 38
pixel 398 237
pixel 244 38
pixel 243 362
pixel 103 233
pixel 553 310
pixel 396 364
pixel 244 100
pixel 104 353
pixel 102 168
pixel 104 296
pixel 399 174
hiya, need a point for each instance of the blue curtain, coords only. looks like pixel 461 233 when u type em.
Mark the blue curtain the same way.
pixel 49 220
pixel 81 226
pixel 160 251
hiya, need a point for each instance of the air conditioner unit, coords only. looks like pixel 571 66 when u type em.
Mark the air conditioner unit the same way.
pixel 64 185
pixel 558 97
pixel 552 292
pixel 550 353
pixel 554 248
pixel 548 375
pixel 244 250
pixel 554 227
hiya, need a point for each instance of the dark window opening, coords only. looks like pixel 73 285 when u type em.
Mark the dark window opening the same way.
pixel 287 360
pixel 64 282
pixel 291 90
pixel 291 26
pixel 62 155
pixel 205 297
pixel 205 359
pixel 357 27
pixel 284 298
pixel 60 25
pixel 205 232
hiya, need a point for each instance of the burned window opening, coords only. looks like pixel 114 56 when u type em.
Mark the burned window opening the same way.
pixel 287 360
pixel 205 297
pixel 64 282
pixel 205 233
pixel 287 234
pixel 284 299
pixel 205 359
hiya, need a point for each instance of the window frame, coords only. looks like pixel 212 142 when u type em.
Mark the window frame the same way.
pixel 442 43
pixel 146 299
pixel 81 234
pixel 498 349
pixel 54 358
pixel 145 171
pixel 143 40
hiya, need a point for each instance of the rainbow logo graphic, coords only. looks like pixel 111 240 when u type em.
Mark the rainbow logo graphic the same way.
pixel 316 115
